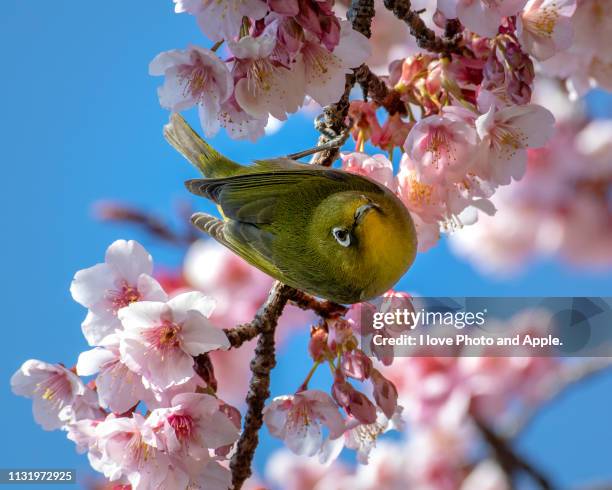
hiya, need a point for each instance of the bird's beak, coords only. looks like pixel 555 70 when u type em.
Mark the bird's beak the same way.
pixel 363 210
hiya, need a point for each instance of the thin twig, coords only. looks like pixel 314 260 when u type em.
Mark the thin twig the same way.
pixel 568 377
pixel 153 225
pixel 259 387
pixel 425 37
pixel 510 461
pixel 323 308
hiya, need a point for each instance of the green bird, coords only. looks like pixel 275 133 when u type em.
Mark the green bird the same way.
pixel 334 234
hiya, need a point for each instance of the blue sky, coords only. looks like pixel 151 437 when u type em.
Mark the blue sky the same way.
pixel 81 122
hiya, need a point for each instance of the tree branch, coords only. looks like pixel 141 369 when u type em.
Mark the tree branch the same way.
pixel 569 376
pixel 325 309
pixel 508 459
pixel 259 388
pixel 332 122
pixel 425 37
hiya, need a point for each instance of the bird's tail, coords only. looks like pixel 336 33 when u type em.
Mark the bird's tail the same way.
pixel 189 144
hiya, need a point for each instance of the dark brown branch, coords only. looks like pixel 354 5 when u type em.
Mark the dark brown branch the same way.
pixel 425 37
pixel 360 14
pixel 510 462
pixel 259 388
pixel 323 308
pixel 568 376
pixel 204 367
pixel 332 122
pixel 377 90
pixel 242 333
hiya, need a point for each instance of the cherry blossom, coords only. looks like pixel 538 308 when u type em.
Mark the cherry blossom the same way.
pixel 376 167
pixel 123 278
pixel 584 64
pixel 194 77
pixel 324 71
pixel 58 395
pixel 193 425
pixel 545 27
pixel 290 471
pixel 298 420
pixel 159 339
pixel 508 133
pixel 122 448
pixel 265 88
pixel 481 16
pixel 442 147
pixel 222 20
pixel 119 389
pixel 362 437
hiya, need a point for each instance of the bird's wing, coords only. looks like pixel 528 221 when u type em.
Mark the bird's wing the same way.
pixel 252 198
pixel 244 239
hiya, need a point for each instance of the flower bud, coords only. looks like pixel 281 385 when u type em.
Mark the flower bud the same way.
pixel 317 347
pixel 356 365
pixel 354 402
pixel 385 393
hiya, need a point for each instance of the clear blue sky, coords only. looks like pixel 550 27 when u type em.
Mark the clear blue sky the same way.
pixel 81 122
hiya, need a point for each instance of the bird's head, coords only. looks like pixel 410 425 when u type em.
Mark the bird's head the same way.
pixel 366 234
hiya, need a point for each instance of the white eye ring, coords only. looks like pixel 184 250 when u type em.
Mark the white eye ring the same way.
pixel 342 236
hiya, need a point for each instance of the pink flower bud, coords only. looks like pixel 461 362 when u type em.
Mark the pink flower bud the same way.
pixel 385 393
pixel 354 402
pixel 317 347
pixel 356 364
pixel 341 335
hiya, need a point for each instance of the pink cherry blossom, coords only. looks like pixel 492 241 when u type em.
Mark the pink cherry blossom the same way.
pixel 193 425
pixel 160 339
pixel 362 437
pixel 443 205
pixel 298 420
pixel 124 277
pixel 119 389
pixel 585 65
pixel 290 471
pixel 376 167
pixel 508 133
pixel 194 77
pixel 487 475
pixel 442 147
pixel 58 395
pixel 123 449
pixel 324 71
pixel 222 20
pixel 318 18
pixel 262 87
pixel 239 124
pixel 544 27
pixel 392 134
pixel 480 16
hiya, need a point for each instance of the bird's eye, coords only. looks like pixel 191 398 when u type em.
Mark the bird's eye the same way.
pixel 342 236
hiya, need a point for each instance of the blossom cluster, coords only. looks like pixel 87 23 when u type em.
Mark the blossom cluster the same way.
pixel 148 418
pixel 277 54
pixel 442 398
pixel 561 207
pixel 301 418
